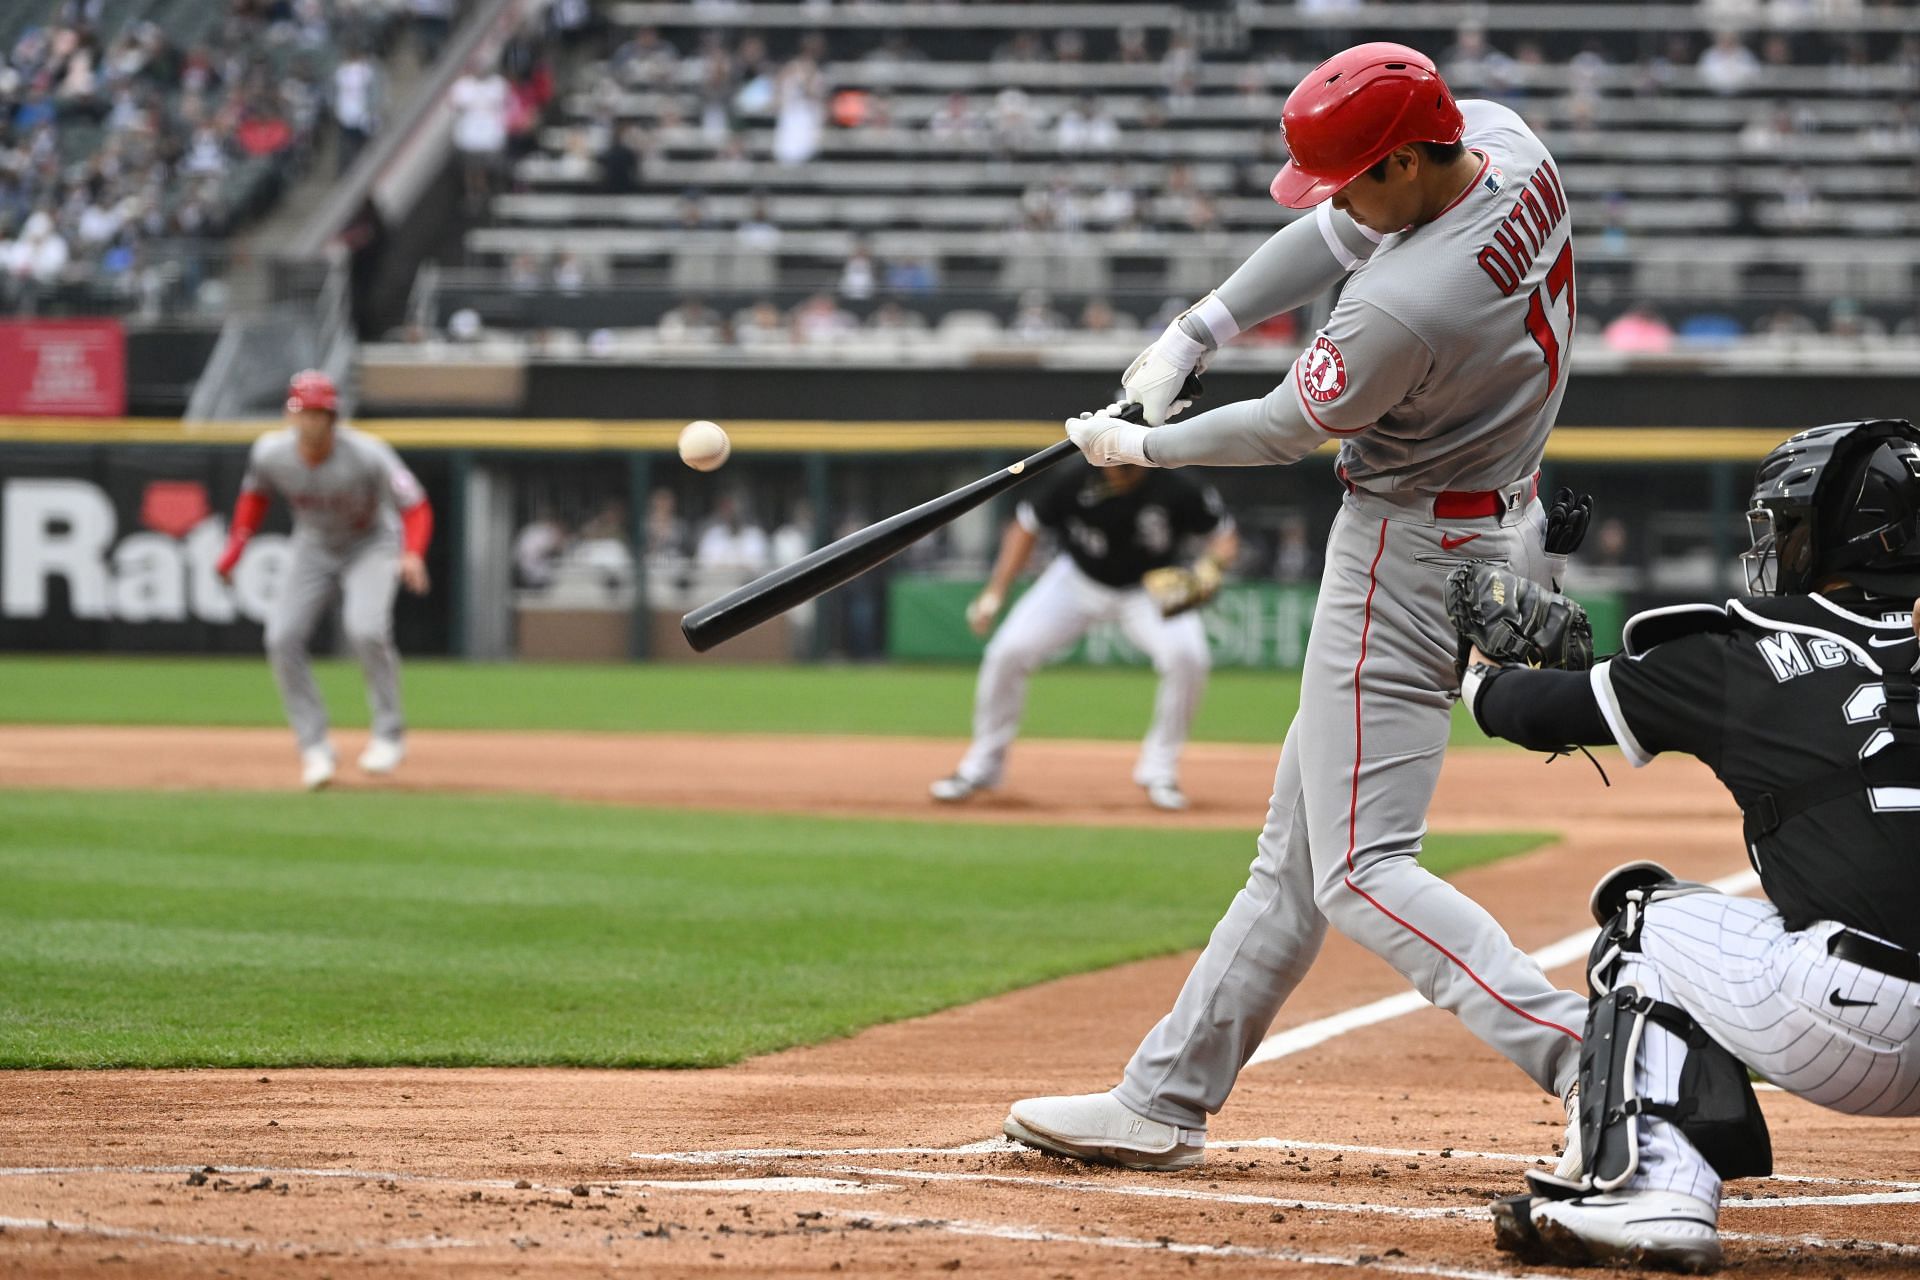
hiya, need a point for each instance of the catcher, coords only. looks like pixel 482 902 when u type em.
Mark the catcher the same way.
pixel 1802 698
pixel 1121 529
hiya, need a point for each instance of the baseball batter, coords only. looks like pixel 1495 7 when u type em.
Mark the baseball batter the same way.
pixel 1120 529
pixel 1803 701
pixel 1439 373
pixel 361 524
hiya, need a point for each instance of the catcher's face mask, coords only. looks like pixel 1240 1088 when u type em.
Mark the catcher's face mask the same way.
pixel 1761 560
pixel 1780 562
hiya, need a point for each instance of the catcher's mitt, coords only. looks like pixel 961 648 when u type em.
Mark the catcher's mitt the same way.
pixel 1516 621
pixel 1177 588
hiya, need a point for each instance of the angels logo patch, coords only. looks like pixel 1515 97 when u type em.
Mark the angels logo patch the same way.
pixel 1323 373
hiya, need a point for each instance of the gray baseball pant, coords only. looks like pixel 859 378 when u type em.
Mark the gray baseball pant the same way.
pixel 1342 838
pixel 365 574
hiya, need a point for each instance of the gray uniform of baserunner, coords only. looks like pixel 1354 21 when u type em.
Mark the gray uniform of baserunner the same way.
pixel 1440 372
pixel 346 540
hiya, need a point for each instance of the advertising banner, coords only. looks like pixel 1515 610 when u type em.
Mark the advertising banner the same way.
pixel 63 368
pixel 1260 625
pixel 1249 624
pixel 114 548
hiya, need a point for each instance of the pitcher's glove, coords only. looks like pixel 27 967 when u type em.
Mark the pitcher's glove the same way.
pixel 1516 621
pixel 1177 588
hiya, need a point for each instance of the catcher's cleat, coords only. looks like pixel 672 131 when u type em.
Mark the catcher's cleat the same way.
pixel 1664 1229
pixel 1513 1230
pixel 1099 1129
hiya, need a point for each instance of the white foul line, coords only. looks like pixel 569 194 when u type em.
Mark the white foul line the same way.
pixel 1309 1035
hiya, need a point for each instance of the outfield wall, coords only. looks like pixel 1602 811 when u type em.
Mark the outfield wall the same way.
pixel 108 531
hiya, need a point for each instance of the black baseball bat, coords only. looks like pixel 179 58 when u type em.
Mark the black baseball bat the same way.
pixel 821 571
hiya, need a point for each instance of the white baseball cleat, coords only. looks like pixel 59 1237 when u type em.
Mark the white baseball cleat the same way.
pixel 383 755
pixel 954 788
pixel 1097 1128
pixel 316 767
pixel 1645 1228
pixel 1167 796
pixel 1572 1159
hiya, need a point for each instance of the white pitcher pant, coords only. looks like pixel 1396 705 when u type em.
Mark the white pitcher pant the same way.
pixel 1060 608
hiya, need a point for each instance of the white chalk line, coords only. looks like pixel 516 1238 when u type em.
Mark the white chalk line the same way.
pixel 1175 1192
pixel 1003 1146
pixel 1023 1234
pixel 144 1236
pixel 1901 1193
pixel 1823 1242
pixel 840 1186
pixel 1039 1235
pixel 824 1186
pixel 1310 1035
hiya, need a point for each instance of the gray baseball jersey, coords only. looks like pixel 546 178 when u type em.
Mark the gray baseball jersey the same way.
pixel 346 541
pixel 1441 368
pixel 360 489
pixel 1443 365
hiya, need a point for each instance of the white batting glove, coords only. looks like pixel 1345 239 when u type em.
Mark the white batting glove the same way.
pixel 1109 440
pixel 1154 379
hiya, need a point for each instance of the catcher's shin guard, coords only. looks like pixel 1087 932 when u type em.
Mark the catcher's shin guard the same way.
pixel 1715 1108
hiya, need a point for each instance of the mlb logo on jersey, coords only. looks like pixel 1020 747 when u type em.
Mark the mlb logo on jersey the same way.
pixel 1323 371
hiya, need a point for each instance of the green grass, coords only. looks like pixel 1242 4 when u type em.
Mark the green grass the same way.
pixel 915 701
pixel 214 929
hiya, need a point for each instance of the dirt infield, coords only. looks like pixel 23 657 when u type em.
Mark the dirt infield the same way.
pixel 1374 1149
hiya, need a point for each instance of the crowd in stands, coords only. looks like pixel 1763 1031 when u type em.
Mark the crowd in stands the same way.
pixel 787 96
pixel 114 142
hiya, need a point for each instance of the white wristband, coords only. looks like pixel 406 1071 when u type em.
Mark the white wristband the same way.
pixel 1129 445
pixel 1219 321
pixel 1470 685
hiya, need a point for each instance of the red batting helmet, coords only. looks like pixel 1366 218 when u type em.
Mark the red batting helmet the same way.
pixel 312 389
pixel 1352 110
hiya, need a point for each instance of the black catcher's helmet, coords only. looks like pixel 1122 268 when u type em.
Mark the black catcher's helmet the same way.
pixel 1840 501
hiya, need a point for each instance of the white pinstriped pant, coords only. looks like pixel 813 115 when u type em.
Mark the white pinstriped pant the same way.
pixel 1766 994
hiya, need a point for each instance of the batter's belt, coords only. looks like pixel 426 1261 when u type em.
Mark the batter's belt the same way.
pixel 1455 504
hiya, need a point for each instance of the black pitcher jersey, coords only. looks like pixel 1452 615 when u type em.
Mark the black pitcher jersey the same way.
pixel 1773 693
pixel 1115 537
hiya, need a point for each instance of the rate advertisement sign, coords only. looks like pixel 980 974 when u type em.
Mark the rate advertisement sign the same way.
pixel 63 368
pixel 115 548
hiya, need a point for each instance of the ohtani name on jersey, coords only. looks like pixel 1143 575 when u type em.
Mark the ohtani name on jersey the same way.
pixel 1520 237
pixel 1790 656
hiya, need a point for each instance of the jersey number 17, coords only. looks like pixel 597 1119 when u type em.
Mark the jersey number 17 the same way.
pixel 1559 281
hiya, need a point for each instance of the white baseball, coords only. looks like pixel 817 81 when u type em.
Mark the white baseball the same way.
pixel 704 446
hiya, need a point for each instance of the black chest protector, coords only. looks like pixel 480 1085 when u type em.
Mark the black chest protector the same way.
pixel 1894 764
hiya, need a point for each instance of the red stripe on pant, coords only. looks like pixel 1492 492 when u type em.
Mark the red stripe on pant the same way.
pixel 1353 808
